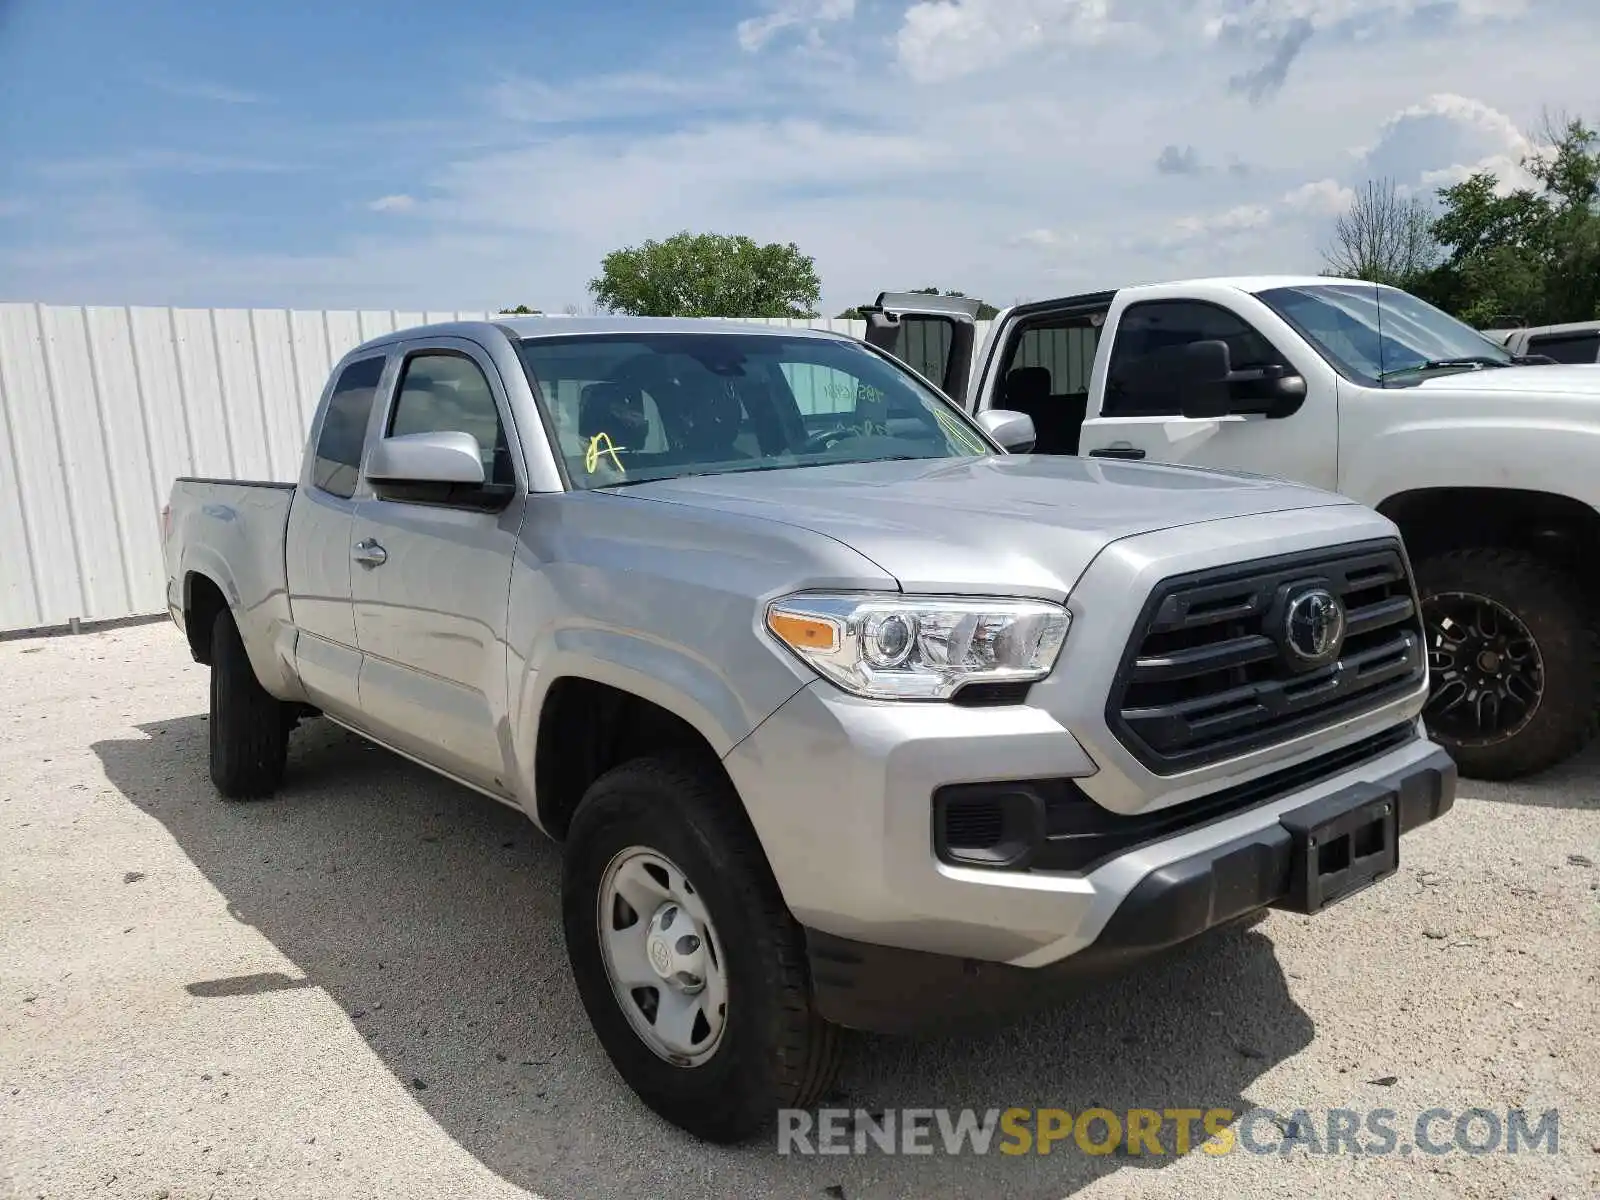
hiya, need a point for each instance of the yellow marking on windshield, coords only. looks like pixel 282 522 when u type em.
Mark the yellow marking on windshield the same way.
pixel 591 457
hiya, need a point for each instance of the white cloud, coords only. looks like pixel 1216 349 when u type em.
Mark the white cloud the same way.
pixel 943 39
pixel 204 89
pixel 1033 177
pixel 1324 197
pixel 399 202
pixel 786 16
pixel 1445 138
pixel 1238 219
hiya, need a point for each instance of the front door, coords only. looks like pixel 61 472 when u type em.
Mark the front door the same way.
pixel 1139 419
pixel 431 578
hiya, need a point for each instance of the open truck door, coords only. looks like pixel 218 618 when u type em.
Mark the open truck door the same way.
pixel 933 335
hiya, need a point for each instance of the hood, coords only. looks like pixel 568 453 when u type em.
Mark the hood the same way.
pixel 1582 379
pixel 1022 522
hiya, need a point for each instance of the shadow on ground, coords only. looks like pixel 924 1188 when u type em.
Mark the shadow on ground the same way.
pixel 431 916
pixel 1572 784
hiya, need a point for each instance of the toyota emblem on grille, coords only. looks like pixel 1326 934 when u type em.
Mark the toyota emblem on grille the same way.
pixel 1313 626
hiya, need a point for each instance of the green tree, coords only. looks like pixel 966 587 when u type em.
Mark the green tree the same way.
pixel 1532 254
pixel 708 275
pixel 521 310
pixel 986 311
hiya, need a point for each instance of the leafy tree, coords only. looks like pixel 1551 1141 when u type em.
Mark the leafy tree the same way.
pixel 1386 237
pixel 521 310
pixel 1532 254
pixel 708 275
pixel 986 311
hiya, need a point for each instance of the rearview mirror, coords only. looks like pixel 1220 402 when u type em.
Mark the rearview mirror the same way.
pixel 451 458
pixel 1013 430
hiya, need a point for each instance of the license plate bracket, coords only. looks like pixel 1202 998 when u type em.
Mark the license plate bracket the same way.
pixel 1341 845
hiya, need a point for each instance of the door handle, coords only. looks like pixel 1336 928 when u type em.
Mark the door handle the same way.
pixel 369 554
pixel 1122 451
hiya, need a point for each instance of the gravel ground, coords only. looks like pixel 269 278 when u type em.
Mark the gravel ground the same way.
pixel 359 989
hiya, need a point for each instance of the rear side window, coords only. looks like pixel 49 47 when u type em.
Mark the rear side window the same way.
pixel 1567 347
pixel 337 466
pixel 1160 325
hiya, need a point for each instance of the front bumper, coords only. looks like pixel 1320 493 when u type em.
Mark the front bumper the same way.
pixel 892 990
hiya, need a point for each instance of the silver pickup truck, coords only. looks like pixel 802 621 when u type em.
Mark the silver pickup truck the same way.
pixel 849 712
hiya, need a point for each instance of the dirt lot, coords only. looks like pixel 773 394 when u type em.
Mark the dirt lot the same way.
pixel 359 989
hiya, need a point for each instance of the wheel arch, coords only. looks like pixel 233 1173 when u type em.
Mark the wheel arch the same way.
pixel 1556 527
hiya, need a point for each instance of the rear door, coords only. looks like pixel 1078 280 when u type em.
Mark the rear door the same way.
pixel 1141 420
pixel 317 541
pixel 933 335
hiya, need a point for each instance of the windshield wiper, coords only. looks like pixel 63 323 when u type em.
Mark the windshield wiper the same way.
pixel 1439 364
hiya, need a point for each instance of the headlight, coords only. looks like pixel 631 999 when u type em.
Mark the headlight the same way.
pixel 891 647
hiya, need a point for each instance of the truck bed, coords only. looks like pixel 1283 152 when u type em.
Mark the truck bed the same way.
pixel 233 532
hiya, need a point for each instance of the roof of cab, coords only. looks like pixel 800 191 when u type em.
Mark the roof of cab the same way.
pixel 562 326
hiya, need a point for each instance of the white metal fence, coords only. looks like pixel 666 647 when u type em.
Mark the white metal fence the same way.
pixel 100 408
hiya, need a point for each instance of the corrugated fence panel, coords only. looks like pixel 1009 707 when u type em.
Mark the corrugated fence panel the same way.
pixel 313 360
pixel 91 508
pixel 101 408
pixel 37 581
pixel 135 498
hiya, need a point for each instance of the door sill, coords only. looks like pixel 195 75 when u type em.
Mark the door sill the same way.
pixel 508 801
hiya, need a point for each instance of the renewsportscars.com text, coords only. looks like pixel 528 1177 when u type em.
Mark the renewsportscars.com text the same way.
pixel 1171 1131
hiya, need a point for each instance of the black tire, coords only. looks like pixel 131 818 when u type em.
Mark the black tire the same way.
pixel 1551 607
pixel 775 1052
pixel 249 727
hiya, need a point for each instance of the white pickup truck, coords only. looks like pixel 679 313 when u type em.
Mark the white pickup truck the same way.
pixel 1490 465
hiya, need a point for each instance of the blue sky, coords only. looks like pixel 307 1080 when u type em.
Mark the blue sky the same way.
pixel 402 155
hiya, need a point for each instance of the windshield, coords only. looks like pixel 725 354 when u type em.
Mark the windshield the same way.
pixel 1381 334
pixel 633 407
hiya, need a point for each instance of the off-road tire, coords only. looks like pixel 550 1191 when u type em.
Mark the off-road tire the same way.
pixel 249 728
pixel 1552 607
pixel 775 1051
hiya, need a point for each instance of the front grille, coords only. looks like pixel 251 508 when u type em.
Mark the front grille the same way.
pixel 1209 674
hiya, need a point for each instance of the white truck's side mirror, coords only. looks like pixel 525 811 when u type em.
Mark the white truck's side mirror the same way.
pixel 1013 430
pixel 449 457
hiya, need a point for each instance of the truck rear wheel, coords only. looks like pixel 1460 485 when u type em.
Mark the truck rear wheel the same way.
pixel 689 965
pixel 1513 657
pixel 249 727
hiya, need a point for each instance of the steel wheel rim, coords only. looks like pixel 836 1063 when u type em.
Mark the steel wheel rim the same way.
pixel 662 956
pixel 1487 677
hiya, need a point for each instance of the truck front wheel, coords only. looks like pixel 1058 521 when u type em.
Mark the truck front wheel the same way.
pixel 688 963
pixel 1512 655
pixel 249 727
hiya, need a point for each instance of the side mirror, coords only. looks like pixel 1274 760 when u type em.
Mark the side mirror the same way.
pixel 447 458
pixel 1013 430
pixel 1202 377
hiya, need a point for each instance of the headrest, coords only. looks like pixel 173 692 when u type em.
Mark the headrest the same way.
pixel 1028 383
pixel 611 409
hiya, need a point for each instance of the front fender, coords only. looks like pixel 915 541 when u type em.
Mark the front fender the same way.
pixel 683 683
pixel 1531 453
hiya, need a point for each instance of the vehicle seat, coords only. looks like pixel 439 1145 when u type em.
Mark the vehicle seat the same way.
pixel 615 411
pixel 1057 420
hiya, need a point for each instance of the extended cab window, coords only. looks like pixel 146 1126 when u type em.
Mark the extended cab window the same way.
pixel 1159 325
pixel 447 393
pixel 337 465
